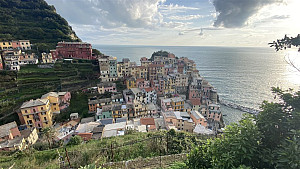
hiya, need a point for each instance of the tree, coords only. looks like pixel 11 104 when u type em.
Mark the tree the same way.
pixel 287 42
pixel 48 132
pixel 270 140
pixel 75 140
pixel 97 52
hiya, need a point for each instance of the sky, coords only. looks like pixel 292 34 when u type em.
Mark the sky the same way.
pixel 181 22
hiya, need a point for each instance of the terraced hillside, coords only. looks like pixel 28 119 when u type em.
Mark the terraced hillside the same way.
pixel 31 82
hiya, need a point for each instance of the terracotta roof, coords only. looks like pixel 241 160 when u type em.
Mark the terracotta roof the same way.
pixel 147 121
pixel 139 80
pixel 195 102
pixel 156 65
pixel 148 89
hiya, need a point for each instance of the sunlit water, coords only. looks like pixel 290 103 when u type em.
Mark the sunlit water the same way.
pixel 241 75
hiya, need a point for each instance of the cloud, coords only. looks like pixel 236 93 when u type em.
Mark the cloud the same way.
pixel 112 14
pixel 279 17
pixel 176 7
pixel 185 17
pixel 235 13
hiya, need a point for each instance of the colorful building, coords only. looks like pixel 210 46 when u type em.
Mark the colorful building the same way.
pixel 54 100
pixel 131 83
pixel 184 122
pixel 6 45
pixel 106 87
pixel 16 44
pixel 1 63
pixel 78 50
pixel 47 58
pixel 37 113
pixel 64 100
pixel 150 95
pixel 9 131
pixel 198 118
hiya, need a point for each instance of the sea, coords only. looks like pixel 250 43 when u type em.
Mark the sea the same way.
pixel 241 75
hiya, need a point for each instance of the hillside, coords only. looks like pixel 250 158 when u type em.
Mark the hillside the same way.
pixel 138 146
pixel 34 20
pixel 31 82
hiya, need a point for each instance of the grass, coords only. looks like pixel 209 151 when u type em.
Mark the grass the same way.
pixel 127 147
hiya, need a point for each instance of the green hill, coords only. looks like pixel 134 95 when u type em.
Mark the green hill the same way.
pixel 34 20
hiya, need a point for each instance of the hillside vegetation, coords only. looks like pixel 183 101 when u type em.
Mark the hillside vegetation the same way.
pixel 34 20
pixel 31 82
pixel 101 152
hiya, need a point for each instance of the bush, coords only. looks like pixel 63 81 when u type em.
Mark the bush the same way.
pixel 75 140
pixel 40 146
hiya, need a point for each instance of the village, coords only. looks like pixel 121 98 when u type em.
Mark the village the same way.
pixel 162 92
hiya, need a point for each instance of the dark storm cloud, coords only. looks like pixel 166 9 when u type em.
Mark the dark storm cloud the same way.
pixel 235 13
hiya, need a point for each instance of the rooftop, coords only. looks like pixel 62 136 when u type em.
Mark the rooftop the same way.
pixel 5 129
pixel 33 103
pixel 52 94
pixel 136 90
pixel 197 115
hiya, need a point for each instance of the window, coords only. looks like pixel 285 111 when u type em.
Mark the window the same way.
pixel 34 110
pixel 26 111
pixel 42 108
pixel 27 116
pixel 45 118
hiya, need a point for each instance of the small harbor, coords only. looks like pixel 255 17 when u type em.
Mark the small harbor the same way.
pixel 239 107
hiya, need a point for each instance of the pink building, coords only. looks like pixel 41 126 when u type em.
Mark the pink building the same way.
pixel 198 118
pixel 166 104
pixel 79 50
pixel 65 98
pixel 194 95
pixel 21 44
pixel 106 87
pixel 9 131
pixel 214 112
pixel 1 63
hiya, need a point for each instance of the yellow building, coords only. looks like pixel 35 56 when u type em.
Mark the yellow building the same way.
pixel 131 83
pixel 142 72
pixel 6 46
pixel 47 58
pixel 30 136
pixel 118 111
pixel 53 97
pixel 37 113
pixel 177 104
pixel 140 110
